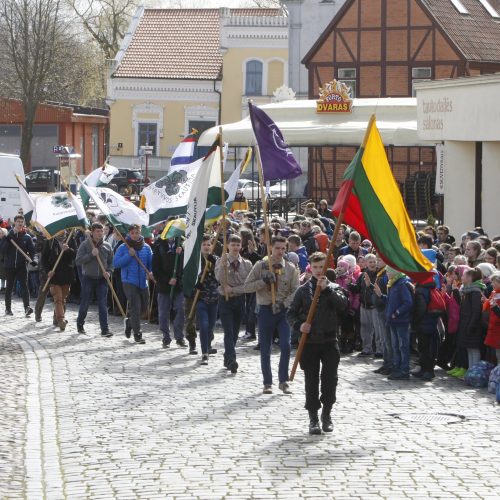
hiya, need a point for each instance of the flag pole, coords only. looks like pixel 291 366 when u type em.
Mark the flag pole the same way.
pixel 176 262
pixel 24 254
pixel 317 291
pixel 266 221
pixel 223 207
pixel 70 235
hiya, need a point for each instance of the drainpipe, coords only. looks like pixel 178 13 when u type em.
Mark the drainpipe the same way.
pixel 219 115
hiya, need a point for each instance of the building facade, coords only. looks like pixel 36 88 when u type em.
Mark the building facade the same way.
pixel 382 48
pixel 81 128
pixel 180 69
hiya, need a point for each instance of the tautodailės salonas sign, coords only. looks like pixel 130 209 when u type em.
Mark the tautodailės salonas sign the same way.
pixel 334 97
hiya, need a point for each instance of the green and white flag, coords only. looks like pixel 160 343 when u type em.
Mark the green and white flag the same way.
pixel 27 202
pixel 119 211
pixel 99 177
pixel 56 212
pixel 195 218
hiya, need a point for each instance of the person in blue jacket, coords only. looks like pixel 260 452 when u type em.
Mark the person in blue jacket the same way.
pixel 398 311
pixel 135 278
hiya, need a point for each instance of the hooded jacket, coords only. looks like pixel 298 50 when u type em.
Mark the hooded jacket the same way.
pixel 131 271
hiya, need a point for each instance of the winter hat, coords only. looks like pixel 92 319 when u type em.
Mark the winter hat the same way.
pixel 342 267
pixel 350 259
pixel 293 258
pixel 366 244
pixel 460 270
pixel 486 269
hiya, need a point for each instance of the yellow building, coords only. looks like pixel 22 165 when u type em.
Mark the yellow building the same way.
pixel 179 69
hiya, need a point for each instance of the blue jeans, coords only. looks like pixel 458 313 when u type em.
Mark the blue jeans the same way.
pixel 165 304
pixel 400 340
pixel 268 323
pixel 206 315
pixel 100 286
pixel 231 313
pixel 388 355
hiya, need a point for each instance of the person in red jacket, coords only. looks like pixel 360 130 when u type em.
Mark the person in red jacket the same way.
pixel 493 306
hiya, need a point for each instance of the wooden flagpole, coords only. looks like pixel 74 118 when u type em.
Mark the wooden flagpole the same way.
pixel 59 257
pixel 266 222
pixel 223 208
pixel 176 263
pixel 24 254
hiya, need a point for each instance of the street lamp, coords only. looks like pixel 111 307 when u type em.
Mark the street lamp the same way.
pixel 147 151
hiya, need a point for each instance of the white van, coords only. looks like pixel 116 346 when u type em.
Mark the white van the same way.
pixel 10 203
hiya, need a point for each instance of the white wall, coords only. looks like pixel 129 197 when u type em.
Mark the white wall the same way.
pixel 307 21
pixel 459 186
pixel 491 188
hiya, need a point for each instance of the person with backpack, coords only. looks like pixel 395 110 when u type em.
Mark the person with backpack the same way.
pixel 399 305
pixel 427 311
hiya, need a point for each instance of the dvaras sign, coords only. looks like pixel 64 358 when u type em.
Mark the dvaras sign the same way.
pixel 433 111
pixel 334 97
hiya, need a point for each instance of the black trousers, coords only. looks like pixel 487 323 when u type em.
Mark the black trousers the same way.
pixel 427 349
pixel 320 361
pixel 20 274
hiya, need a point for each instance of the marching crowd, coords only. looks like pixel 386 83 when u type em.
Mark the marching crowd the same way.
pixel 451 322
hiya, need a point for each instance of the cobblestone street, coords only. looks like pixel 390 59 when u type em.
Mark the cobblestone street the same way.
pixel 89 417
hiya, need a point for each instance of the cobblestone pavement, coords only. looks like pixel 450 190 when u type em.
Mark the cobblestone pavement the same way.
pixel 105 418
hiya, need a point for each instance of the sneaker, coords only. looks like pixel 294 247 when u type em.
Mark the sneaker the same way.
pixel 8 313
pixel 38 318
pixel 285 388
pixel 128 328
pixel 62 324
pixel 363 354
pixel 181 343
pixel 248 336
pixel 80 329
pixel 378 355
pixel 212 350
pixel 460 373
pixel 165 344
pixel 106 333
pixel 380 371
pixel 418 374
pixel 452 371
pixel 233 367
pixel 204 359
pixel 28 311
pixel 427 376
pixel 268 389
pixel 192 348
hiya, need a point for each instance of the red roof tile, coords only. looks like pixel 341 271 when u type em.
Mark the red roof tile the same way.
pixel 178 44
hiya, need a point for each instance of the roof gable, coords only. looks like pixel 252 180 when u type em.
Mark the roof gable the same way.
pixel 178 44
pixel 475 35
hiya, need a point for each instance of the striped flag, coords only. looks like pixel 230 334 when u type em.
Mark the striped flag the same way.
pixel 184 152
pixel 372 204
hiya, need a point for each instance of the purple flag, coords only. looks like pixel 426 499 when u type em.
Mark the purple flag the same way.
pixel 278 162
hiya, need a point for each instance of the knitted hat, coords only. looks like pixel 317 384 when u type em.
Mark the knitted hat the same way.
pixel 486 269
pixel 349 259
pixel 293 258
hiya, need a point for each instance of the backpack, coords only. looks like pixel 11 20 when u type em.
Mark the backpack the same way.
pixel 478 375
pixel 437 304
pixel 494 380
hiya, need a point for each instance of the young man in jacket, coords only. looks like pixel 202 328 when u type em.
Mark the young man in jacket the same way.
pixel 321 351
pixel 169 287
pixel 135 278
pixel 231 271
pixel 272 317
pixel 63 276
pixel 15 264
pixel 92 278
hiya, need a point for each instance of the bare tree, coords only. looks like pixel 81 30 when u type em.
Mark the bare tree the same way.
pixel 105 20
pixel 30 32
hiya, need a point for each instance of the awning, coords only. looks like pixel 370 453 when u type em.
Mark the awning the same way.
pixel 301 125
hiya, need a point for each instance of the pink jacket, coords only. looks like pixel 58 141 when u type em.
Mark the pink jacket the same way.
pixel 453 311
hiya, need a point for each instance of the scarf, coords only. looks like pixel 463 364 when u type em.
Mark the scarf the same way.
pixel 476 286
pixel 135 244
pixel 396 275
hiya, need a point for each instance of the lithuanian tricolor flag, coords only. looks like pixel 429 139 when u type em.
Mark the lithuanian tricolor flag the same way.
pixel 372 204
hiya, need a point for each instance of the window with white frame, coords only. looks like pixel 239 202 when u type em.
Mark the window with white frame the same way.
pixel 253 77
pixel 348 76
pixel 419 75
pixel 147 136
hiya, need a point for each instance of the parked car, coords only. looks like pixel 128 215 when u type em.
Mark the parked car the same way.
pixel 128 181
pixel 251 189
pixel 42 181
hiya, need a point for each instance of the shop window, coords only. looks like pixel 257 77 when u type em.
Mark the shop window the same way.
pixel 253 78
pixel 348 76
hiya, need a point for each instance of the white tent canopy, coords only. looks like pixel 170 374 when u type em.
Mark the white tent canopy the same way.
pixel 301 125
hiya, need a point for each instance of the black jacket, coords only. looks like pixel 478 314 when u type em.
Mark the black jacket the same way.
pixel 332 300
pixel 310 243
pixel 163 267
pixel 366 293
pixel 469 325
pixel 12 258
pixel 65 271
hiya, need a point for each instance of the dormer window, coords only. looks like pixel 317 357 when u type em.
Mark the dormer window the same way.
pixel 491 11
pixel 459 6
